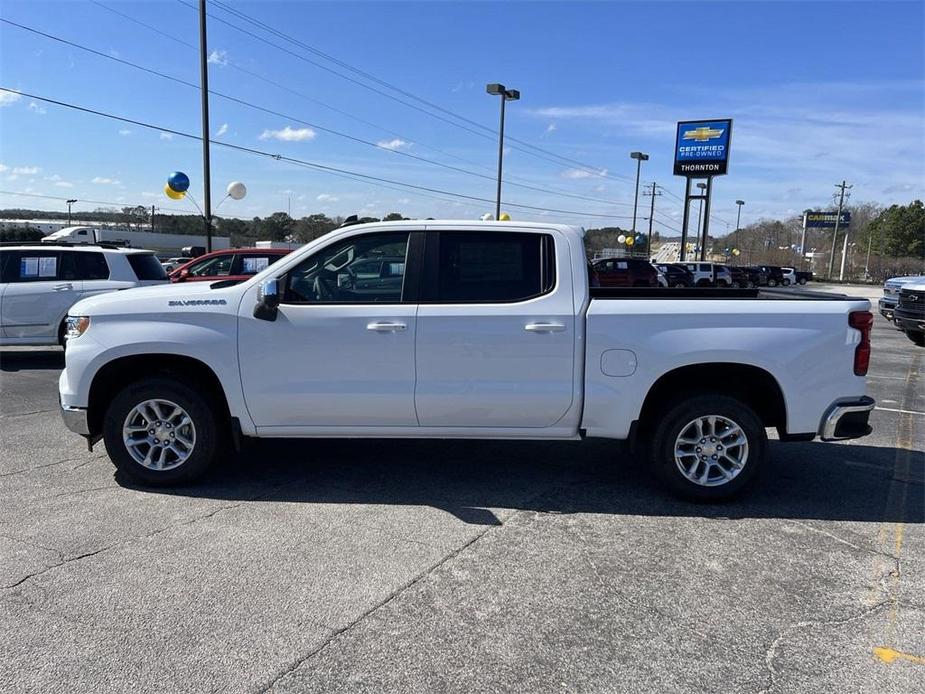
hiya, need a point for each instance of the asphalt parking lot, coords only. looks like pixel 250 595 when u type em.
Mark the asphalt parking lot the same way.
pixel 370 566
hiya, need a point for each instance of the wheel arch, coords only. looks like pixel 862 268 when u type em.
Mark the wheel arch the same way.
pixel 118 373
pixel 752 385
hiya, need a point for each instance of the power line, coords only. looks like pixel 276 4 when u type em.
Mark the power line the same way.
pixel 94 202
pixel 296 119
pixel 314 165
pixel 263 78
pixel 484 131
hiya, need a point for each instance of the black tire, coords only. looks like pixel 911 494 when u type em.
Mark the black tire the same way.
pixel 210 435
pixel 677 417
pixel 802 280
pixel 916 337
pixel 704 283
pixel 772 283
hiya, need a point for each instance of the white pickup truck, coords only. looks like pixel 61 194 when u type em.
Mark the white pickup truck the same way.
pixel 463 329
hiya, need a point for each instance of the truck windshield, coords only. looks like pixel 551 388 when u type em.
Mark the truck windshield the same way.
pixel 147 266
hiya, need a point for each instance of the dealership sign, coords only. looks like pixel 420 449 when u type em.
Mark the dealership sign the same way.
pixel 702 148
pixel 825 220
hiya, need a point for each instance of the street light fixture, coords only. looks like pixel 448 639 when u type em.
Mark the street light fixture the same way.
pixel 69 203
pixel 639 157
pixel 506 95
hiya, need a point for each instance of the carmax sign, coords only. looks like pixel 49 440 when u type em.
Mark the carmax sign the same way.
pixel 702 148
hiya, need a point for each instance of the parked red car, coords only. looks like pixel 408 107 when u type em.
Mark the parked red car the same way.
pixel 233 264
pixel 626 272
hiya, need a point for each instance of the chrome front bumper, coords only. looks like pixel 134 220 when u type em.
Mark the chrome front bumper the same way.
pixel 847 419
pixel 75 419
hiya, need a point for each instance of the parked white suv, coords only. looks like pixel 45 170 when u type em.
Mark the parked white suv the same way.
pixel 709 274
pixel 38 284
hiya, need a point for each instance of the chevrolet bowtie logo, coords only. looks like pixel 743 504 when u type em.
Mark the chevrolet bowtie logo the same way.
pixel 703 133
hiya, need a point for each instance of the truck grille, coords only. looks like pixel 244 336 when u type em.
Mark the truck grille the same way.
pixel 912 302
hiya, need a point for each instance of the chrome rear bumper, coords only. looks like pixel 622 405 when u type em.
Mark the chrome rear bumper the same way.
pixel 847 419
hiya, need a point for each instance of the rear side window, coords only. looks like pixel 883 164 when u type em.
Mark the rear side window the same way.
pixel 252 264
pixel 79 265
pixel 475 267
pixel 146 266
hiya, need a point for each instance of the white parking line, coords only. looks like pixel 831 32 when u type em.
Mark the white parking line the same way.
pixel 893 409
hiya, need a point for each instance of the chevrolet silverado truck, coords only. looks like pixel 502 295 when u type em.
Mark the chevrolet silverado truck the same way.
pixel 463 330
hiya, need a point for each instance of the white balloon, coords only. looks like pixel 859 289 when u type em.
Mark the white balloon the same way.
pixel 621 238
pixel 236 190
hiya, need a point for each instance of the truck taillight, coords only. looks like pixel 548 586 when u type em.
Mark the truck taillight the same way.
pixel 863 321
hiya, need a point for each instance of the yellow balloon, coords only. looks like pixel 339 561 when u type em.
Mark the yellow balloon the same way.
pixel 505 217
pixel 629 241
pixel 173 194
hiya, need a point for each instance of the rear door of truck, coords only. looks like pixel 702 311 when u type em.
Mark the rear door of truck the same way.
pixel 495 340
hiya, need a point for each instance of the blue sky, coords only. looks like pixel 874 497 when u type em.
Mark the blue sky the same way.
pixel 820 92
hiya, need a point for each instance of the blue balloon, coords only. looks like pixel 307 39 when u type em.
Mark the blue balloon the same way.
pixel 178 181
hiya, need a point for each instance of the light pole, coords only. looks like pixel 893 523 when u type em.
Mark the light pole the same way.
pixel 701 241
pixel 506 95
pixel 69 203
pixel 739 204
pixel 639 157
pixel 204 89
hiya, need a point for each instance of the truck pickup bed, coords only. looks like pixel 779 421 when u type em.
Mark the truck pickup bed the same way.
pixel 463 329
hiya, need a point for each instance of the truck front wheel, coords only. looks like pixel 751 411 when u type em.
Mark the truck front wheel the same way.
pixel 708 447
pixel 161 432
pixel 916 337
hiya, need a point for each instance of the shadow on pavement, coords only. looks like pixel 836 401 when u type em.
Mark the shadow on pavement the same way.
pixel 15 360
pixel 468 478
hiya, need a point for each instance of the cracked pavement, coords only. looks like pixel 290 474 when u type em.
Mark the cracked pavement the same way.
pixel 423 566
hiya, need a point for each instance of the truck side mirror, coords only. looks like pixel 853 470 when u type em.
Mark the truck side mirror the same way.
pixel 268 297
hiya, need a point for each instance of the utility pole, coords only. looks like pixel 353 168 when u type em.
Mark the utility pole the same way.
pixel 870 238
pixel 152 219
pixel 653 195
pixel 841 203
pixel 69 203
pixel 639 157
pixel 204 88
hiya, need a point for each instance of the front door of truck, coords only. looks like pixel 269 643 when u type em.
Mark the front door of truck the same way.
pixel 340 353
pixel 496 331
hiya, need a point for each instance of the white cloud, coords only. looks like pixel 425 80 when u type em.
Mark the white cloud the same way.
pixel 576 174
pixel 397 143
pixel 550 129
pixel 7 98
pixel 218 57
pixel 327 197
pixel 288 134
pixel 125 131
pixel 105 181
pixel 12 177
pixel 64 184
pixel 166 136
pixel 26 170
pixel 3 167
pixel 37 108
pixel 222 130
pixel 403 201
pixel 53 177
pixel 151 195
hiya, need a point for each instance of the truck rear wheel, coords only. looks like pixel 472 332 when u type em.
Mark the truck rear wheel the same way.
pixel 708 447
pixel 161 432
pixel 916 337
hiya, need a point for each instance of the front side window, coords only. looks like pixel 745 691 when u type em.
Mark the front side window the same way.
pixel 364 269
pixel 494 266
pixel 218 266
pixel 30 266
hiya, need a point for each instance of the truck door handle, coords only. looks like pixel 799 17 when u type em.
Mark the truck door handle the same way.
pixel 386 327
pixel 67 286
pixel 544 327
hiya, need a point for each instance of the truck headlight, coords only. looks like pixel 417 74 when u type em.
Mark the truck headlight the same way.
pixel 76 326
